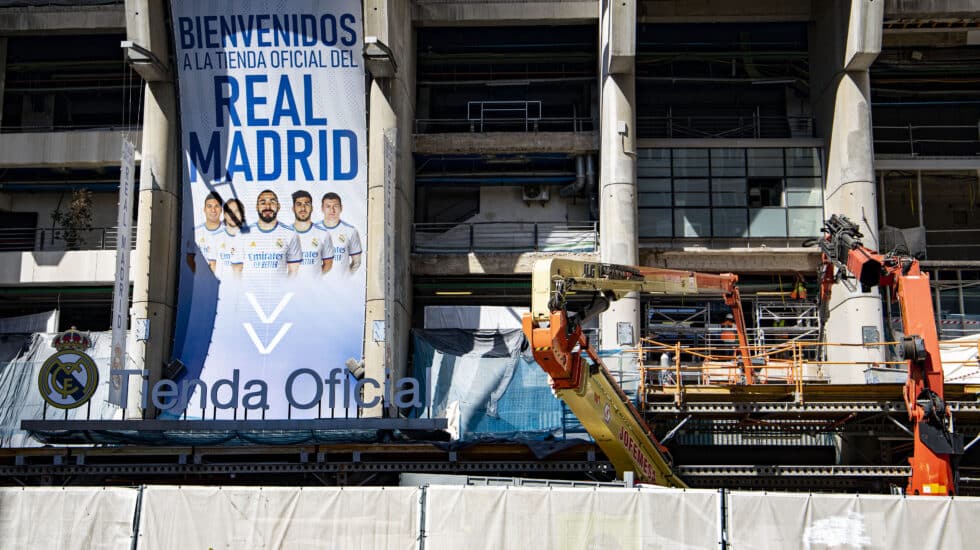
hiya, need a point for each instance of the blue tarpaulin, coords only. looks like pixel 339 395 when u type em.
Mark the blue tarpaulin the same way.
pixel 489 387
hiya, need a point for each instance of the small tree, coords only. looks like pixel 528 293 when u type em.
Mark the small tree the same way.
pixel 74 219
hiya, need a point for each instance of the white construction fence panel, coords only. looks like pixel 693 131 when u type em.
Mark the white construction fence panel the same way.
pixel 67 518
pixel 522 518
pixel 865 522
pixel 243 518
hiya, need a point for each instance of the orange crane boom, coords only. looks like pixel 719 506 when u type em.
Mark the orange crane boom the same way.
pixel 935 444
pixel 578 375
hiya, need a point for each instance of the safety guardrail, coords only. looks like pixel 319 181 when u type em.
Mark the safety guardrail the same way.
pixel 792 363
pixel 927 139
pixel 40 128
pixel 44 239
pixel 952 244
pixel 724 127
pixel 507 116
pixel 463 238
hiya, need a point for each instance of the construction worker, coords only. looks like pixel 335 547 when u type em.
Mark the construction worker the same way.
pixel 728 334
pixel 729 337
pixel 799 289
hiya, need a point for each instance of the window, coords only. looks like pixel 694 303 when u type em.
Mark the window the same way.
pixel 730 193
pixel 766 191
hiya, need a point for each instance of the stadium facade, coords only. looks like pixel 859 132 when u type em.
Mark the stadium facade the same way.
pixel 708 136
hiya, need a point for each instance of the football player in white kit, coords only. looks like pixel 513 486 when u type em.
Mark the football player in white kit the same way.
pixel 227 244
pixel 271 247
pixel 314 240
pixel 205 233
pixel 346 240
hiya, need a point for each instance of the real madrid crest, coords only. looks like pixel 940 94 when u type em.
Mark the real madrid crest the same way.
pixel 69 377
pixel 279 243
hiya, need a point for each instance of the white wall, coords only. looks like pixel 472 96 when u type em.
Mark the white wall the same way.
pixel 103 206
pixel 504 204
pixel 73 267
pixel 88 148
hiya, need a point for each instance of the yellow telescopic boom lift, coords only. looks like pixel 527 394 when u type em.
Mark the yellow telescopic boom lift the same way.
pixel 578 376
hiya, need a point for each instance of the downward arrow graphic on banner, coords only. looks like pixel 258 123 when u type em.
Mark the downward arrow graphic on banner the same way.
pixel 266 320
pixel 265 350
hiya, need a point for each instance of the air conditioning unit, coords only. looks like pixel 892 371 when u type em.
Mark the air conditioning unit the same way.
pixel 535 192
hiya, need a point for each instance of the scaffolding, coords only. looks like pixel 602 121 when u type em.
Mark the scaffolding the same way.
pixel 781 322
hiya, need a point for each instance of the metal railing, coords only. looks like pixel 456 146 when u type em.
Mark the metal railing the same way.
pixel 463 238
pixel 952 244
pixel 506 116
pixel 484 114
pixel 927 139
pixel 41 128
pixel 44 239
pixel 792 364
pixel 752 126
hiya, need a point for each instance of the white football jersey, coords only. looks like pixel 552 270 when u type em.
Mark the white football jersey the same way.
pixel 227 253
pixel 270 251
pixel 316 245
pixel 346 244
pixel 204 239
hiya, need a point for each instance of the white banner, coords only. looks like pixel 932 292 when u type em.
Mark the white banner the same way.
pixel 120 293
pixel 73 517
pixel 559 518
pixel 243 518
pixel 866 522
pixel 272 288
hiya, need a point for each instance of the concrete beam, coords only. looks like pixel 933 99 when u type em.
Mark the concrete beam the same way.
pixel 928 38
pixel 486 264
pixel 435 13
pixel 71 267
pixel 507 142
pixel 81 149
pixel 741 261
pixel 62 19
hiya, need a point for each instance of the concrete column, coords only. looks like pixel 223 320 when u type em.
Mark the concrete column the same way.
pixel 3 72
pixel 617 161
pixel 851 191
pixel 154 261
pixel 4 197
pixel 377 353
pixel 848 39
pixel 388 250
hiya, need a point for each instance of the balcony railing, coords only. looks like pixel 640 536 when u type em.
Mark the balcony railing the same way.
pixel 75 127
pixel 463 238
pixel 507 116
pixel 33 239
pixel 952 244
pixel 928 139
pixel 724 127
